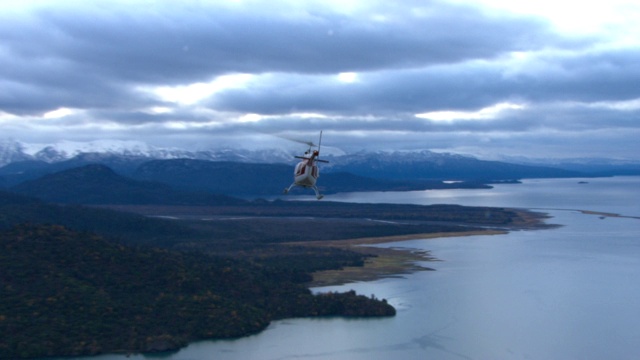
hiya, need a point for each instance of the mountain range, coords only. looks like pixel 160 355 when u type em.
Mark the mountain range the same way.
pixel 382 164
pixel 133 172
pixel 15 151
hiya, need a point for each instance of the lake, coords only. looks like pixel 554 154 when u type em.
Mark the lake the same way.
pixel 565 293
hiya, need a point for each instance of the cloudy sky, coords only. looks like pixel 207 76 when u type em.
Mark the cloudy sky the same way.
pixel 488 77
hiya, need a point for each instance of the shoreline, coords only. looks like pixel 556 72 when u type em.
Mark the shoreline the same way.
pixel 606 214
pixel 392 262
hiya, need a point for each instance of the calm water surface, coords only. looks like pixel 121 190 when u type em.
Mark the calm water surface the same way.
pixel 565 293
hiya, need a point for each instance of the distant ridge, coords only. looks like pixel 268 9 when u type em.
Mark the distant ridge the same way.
pixel 98 185
pixel 245 179
pixel 440 166
pixel 217 176
pixel 187 182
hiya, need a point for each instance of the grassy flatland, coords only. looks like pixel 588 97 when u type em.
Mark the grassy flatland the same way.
pixel 337 229
pixel 382 262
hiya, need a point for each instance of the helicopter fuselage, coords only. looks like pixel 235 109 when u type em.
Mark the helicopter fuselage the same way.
pixel 306 173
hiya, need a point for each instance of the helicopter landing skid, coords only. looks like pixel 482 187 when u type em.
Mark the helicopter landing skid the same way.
pixel 315 189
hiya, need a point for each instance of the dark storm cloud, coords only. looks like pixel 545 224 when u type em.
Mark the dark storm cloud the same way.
pixel 385 93
pixel 593 76
pixel 95 57
pixel 606 76
pixel 105 59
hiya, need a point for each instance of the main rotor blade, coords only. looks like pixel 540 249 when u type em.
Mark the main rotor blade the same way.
pixel 308 143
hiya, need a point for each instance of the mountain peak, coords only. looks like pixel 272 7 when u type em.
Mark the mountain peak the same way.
pixel 12 151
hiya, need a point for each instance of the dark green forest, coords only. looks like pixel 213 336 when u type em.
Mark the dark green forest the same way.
pixel 74 293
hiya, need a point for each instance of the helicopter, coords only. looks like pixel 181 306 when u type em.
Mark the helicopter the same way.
pixel 306 172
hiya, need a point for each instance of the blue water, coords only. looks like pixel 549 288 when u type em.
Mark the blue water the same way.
pixel 565 293
pixel 618 194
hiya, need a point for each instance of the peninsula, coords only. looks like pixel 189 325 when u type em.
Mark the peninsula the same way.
pixel 83 280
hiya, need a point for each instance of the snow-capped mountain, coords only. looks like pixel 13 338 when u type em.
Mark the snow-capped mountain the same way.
pixel 65 150
pixel 14 151
pixel 126 156
pixel 369 162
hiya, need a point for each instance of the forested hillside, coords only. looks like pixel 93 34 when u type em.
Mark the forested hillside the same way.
pixel 70 293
